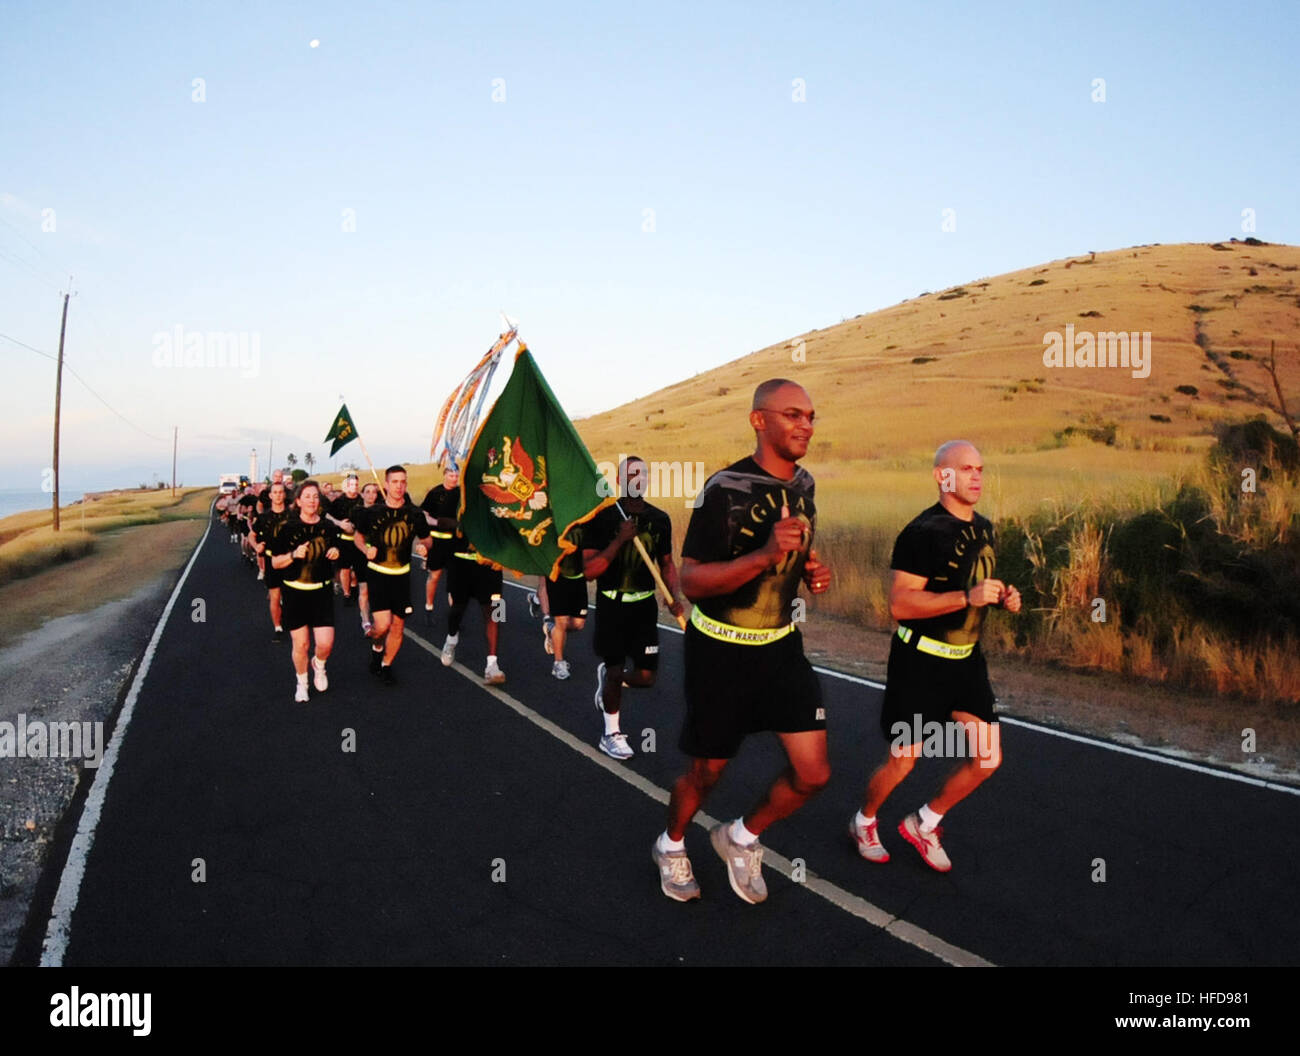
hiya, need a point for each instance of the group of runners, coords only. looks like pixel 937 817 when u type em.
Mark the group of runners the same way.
pixel 747 551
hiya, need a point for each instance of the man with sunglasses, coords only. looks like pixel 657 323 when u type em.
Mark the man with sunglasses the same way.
pixel 747 549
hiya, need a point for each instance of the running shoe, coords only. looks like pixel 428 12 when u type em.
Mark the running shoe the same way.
pixel 560 669
pixel 534 605
pixel 492 674
pixel 676 878
pixel 261 575
pixel 744 864
pixel 548 625
pixel 449 650
pixel 300 694
pixel 615 746
pixel 386 675
pixel 926 843
pixel 318 678
pixel 600 688
pixel 376 660
pixel 868 840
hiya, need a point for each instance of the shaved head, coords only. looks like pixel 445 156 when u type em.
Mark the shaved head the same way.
pixel 766 388
pixel 947 454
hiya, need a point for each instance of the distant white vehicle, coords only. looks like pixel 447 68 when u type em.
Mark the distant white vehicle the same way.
pixel 228 484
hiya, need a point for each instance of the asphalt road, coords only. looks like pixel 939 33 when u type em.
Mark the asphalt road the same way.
pixel 477 826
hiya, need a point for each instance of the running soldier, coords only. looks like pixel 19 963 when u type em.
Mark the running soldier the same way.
pixel 341 512
pixel 267 527
pixel 305 546
pixel 440 507
pixel 627 611
pixel 747 549
pixel 386 533
pixel 943 585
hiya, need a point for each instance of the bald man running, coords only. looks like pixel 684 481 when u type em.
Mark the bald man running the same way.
pixel 942 587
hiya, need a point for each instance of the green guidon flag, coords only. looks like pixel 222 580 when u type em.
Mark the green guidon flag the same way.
pixel 342 431
pixel 528 478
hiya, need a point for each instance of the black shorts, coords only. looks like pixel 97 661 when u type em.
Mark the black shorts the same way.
pixel 440 551
pixel 351 557
pixel 627 629
pixel 307 608
pixel 469 581
pixel 933 687
pixel 389 593
pixel 733 690
pixel 567 597
pixel 274 578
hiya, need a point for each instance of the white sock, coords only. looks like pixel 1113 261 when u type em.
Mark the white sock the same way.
pixel 318 663
pixel 929 819
pixel 667 843
pixel 862 821
pixel 452 639
pixel 740 834
pixel 378 647
pixel 491 659
pixel 302 679
pixel 279 628
pixel 611 723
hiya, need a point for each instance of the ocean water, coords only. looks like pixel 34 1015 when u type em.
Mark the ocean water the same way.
pixel 16 500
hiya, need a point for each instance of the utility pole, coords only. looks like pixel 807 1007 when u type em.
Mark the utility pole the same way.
pixel 270 458
pixel 58 399
pixel 176 429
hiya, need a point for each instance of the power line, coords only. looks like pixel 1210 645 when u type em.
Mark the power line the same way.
pixel 84 382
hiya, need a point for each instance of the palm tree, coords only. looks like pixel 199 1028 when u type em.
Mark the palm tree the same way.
pixel 291 459
pixel 309 460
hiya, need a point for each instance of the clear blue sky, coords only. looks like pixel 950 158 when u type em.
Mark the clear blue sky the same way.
pixel 770 216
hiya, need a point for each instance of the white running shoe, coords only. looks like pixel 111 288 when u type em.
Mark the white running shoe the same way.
pixel 492 674
pixel 449 650
pixel 300 694
pixel 318 675
pixel 560 669
pixel 615 746
pixel 926 843
pixel 867 837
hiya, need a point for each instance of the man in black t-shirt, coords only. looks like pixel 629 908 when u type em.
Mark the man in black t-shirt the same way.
pixel 747 549
pixel 440 507
pixel 247 507
pixel 266 530
pixel 386 533
pixel 340 511
pixel 938 700
pixel 627 611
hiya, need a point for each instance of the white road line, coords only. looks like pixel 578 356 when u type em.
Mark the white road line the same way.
pixel 837 896
pixel 1155 757
pixel 65 899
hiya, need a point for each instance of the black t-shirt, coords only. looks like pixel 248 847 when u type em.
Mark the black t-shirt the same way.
pixel 320 537
pixel 268 525
pixel 952 554
pixel 392 530
pixel 344 509
pixel 247 503
pixel 442 501
pixel 733 516
pixel 627 573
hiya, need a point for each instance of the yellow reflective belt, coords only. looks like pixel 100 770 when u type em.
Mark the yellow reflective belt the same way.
pixel 725 632
pixel 442 535
pixel 639 595
pixel 302 586
pixel 349 538
pixel 936 648
pixel 467 557
pixel 388 571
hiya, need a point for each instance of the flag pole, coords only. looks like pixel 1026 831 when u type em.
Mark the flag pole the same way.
pixel 343 400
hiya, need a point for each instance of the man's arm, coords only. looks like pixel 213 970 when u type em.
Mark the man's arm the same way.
pixel 909 600
pixel 668 569
pixel 708 579
pixel 595 562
